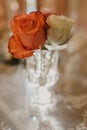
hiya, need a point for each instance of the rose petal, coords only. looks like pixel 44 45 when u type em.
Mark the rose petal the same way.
pixel 33 41
pixel 15 30
pixel 17 50
pixel 27 41
pixel 28 26
pixel 39 39
pixel 41 18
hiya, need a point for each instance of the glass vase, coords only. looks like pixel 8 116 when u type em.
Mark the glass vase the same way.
pixel 41 72
pixel 41 75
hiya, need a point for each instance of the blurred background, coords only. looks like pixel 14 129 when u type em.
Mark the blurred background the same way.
pixel 72 60
pixel 72 83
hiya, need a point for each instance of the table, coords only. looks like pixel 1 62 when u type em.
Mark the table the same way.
pixel 70 112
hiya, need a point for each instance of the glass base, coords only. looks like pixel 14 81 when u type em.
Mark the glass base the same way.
pixel 33 122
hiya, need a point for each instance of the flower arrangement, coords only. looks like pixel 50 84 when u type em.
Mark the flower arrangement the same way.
pixel 36 30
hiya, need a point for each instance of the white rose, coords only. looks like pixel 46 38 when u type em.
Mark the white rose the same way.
pixel 59 29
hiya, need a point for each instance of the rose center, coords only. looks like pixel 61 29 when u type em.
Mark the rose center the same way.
pixel 29 25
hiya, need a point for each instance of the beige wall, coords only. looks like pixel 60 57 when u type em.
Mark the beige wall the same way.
pixel 56 6
pixel 8 8
pixel 77 9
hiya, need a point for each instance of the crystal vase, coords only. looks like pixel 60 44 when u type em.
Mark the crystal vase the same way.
pixel 41 75
pixel 41 72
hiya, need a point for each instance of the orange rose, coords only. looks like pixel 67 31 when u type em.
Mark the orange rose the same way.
pixel 28 34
